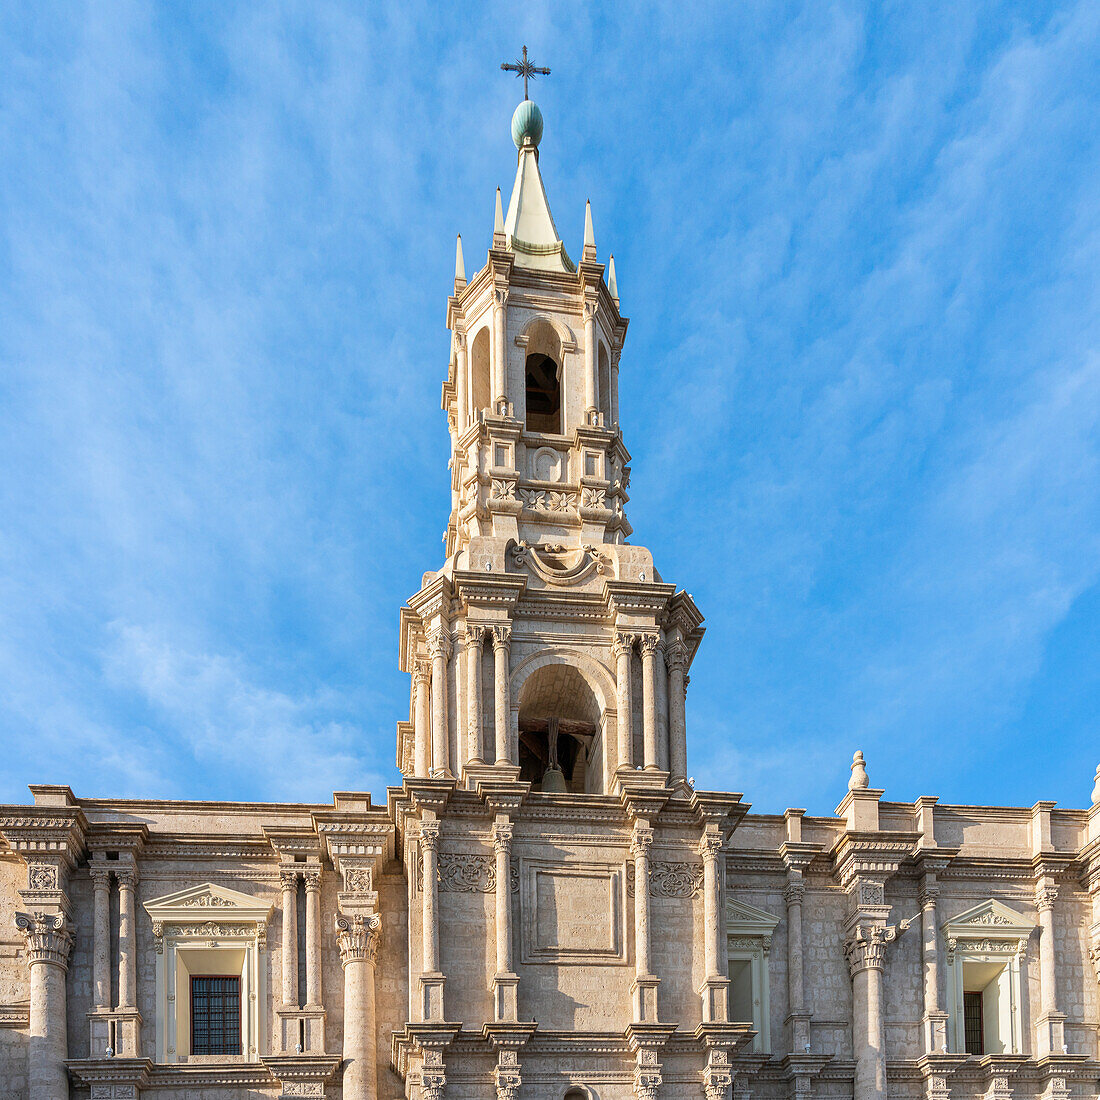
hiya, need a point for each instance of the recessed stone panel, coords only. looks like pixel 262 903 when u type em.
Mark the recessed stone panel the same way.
pixel 572 912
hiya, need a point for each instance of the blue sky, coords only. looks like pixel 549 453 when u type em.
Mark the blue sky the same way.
pixel 860 249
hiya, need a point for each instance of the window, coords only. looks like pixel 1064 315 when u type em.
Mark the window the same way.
pixel 748 943
pixel 985 945
pixel 215 1014
pixel 543 394
pixel 211 975
pixel 972 1016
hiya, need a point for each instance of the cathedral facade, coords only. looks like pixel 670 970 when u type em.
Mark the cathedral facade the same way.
pixel 549 907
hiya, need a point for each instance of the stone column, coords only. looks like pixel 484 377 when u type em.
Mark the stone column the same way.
pixel 621 650
pixel 48 943
pixel 591 384
pixel 644 989
pixel 288 880
pixel 357 937
pixel 715 988
pixel 126 876
pixel 101 935
pixel 461 408
pixel 422 719
pixel 506 1008
pixel 648 644
pixel 500 386
pixel 866 953
pixel 614 402
pixel 439 646
pixel 475 752
pixel 796 999
pixel 502 705
pixel 312 878
pixel 664 753
pixel 1051 1022
pixel 675 659
pixel 429 854
pixel 935 1019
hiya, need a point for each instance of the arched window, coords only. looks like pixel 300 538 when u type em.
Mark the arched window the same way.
pixel 604 377
pixel 479 374
pixel 559 719
pixel 577 1094
pixel 542 380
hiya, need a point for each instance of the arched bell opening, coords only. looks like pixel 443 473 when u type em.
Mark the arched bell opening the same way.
pixel 559 720
pixel 542 380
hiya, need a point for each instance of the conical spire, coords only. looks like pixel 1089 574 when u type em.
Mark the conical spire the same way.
pixel 500 239
pixel 589 252
pixel 612 282
pixel 460 265
pixel 529 229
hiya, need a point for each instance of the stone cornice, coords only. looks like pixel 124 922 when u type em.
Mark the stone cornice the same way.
pixel 489 591
pixel 433 600
pixel 872 855
pixel 636 599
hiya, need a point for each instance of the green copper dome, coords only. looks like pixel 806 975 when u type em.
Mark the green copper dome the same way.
pixel 527 124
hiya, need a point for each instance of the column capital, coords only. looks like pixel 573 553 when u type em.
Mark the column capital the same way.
pixel 473 635
pixel 623 642
pixel 1046 894
pixel 126 875
pixel 439 644
pixel 100 872
pixel 312 878
pixel 795 891
pixel 46 937
pixel 429 836
pixel 357 937
pixel 288 878
pixel 649 641
pixel 502 636
pixel 422 672
pixel 929 893
pixel 710 844
pixel 865 948
pixel 502 836
pixel 675 656
pixel 641 841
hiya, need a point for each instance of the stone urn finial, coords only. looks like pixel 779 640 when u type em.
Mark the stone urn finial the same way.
pixel 1096 787
pixel 859 780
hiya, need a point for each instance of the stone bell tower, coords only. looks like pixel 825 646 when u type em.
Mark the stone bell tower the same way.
pixel 549 667
pixel 547 648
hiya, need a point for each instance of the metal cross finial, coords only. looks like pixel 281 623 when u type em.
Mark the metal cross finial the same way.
pixel 524 68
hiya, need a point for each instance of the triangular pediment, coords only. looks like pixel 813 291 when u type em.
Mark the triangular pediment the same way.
pixel 198 903
pixel 990 918
pixel 743 919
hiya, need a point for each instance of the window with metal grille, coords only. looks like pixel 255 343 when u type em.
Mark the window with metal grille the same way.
pixel 973 1023
pixel 215 1014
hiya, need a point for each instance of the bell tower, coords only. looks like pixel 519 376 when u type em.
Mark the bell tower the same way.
pixel 547 648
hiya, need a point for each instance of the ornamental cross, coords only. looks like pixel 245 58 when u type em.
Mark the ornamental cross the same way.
pixel 523 67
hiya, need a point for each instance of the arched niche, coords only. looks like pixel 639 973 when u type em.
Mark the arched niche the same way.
pixel 603 368
pixel 563 712
pixel 542 380
pixel 479 383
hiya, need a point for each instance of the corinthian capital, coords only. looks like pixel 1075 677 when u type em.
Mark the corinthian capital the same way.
pixel 649 642
pixel 623 643
pixel 794 892
pixel 439 644
pixel 357 937
pixel 865 948
pixel 502 836
pixel 429 836
pixel 710 844
pixel 46 937
pixel 502 637
pixel 641 841
pixel 472 635
pixel 1045 897
pixel 422 672
pixel 676 656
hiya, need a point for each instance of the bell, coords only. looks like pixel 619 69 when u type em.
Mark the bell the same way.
pixel 553 781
